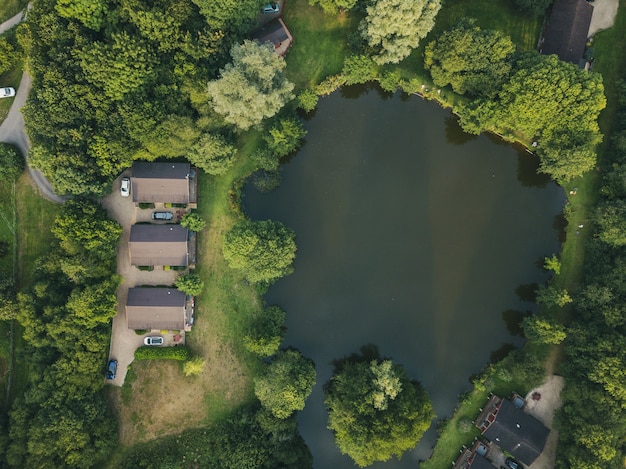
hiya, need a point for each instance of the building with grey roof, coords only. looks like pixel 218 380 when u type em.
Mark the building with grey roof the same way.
pixel 159 245
pixel 170 182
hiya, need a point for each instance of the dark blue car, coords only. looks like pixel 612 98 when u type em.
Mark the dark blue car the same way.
pixel 111 369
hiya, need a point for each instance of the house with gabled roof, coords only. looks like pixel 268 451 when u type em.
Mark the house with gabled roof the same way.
pixel 170 182
pixel 276 33
pixel 156 308
pixel 566 30
pixel 159 245
pixel 512 429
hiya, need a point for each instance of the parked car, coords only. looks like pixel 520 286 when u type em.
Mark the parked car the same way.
pixel 162 215
pixel 153 341
pixel 125 187
pixel 7 92
pixel 513 464
pixel 270 8
pixel 111 369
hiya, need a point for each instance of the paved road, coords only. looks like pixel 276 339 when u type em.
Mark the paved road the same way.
pixel 13 131
pixel 8 24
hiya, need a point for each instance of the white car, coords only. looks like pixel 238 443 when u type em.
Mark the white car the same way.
pixel 153 340
pixel 125 187
pixel 7 92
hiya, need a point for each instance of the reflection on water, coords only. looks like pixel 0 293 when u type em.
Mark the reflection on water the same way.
pixel 405 240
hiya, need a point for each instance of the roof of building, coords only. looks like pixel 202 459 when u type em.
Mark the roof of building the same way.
pixel 517 432
pixel 480 462
pixel 277 33
pixel 155 308
pixel 160 182
pixel 567 29
pixel 160 245
pixel 469 459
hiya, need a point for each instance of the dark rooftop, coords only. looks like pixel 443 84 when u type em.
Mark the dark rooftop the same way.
pixel 155 308
pixel 169 170
pixel 158 245
pixel 161 182
pixel 567 29
pixel 277 33
pixel 518 433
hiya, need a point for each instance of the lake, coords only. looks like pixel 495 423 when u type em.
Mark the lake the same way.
pixel 413 237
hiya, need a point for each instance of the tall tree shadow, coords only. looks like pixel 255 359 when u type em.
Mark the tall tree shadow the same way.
pixel 366 354
pixel 454 132
pixel 513 320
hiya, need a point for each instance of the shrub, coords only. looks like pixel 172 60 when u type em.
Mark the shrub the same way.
pixel 331 84
pixel 162 353
pixel 307 100
pixel 465 425
pixel 11 162
pixel 194 366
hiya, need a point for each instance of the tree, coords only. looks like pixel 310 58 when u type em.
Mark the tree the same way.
pixel 535 7
pixel 359 69
pixel 307 100
pixel 191 284
pixel 262 250
pixel 286 383
pixel 568 153
pixel 285 137
pixel 118 67
pixel 552 296
pixel 193 221
pixel 552 263
pixel 611 219
pixel 91 13
pixel 543 330
pixel 393 28
pixel 231 15
pixel 375 410
pixel 252 87
pixel 266 332
pixel 8 55
pixel 213 154
pixel 11 162
pixel 194 366
pixel 473 61
pixel 334 6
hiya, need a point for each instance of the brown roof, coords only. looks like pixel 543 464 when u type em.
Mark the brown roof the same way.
pixel 567 29
pixel 158 245
pixel 155 308
pixel 277 33
pixel 160 182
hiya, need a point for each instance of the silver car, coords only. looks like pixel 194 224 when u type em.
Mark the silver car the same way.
pixel 155 340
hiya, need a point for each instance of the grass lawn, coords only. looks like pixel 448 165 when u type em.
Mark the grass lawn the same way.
pixel 320 42
pixel 9 8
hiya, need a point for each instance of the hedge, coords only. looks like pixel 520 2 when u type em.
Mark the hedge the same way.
pixel 162 353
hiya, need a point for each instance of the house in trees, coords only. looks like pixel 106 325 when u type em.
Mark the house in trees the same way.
pixel 161 245
pixel 566 30
pixel 275 32
pixel 512 429
pixel 171 182
pixel 158 308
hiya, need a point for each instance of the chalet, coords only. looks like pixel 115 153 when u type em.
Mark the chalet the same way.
pixel 515 431
pixel 566 30
pixel 170 182
pixel 159 245
pixel 275 32
pixel 156 308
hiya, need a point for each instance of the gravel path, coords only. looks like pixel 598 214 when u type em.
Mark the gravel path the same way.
pixel 604 12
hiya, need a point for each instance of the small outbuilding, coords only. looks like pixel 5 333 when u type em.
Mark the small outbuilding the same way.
pixel 159 245
pixel 275 32
pixel 567 29
pixel 169 182
pixel 155 308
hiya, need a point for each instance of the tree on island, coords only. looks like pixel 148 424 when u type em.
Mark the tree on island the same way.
pixel 375 410
pixel 393 28
pixel 251 88
pixel 286 383
pixel 473 61
pixel 262 250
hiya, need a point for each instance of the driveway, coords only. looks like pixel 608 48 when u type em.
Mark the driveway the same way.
pixel 604 13
pixel 124 341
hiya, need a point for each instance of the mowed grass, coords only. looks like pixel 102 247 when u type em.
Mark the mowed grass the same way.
pixel 11 78
pixel 320 43
pixel 9 8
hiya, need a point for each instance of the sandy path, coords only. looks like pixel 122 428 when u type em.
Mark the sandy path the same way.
pixel 604 12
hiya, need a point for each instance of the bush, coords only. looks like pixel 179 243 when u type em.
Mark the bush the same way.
pixel 285 137
pixel 465 425
pixel 331 84
pixel 266 181
pixel 11 162
pixel 162 353
pixel 146 205
pixel 307 100
pixel 193 367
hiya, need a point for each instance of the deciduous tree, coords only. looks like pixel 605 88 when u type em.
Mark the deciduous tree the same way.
pixel 266 332
pixel 393 28
pixel 376 411
pixel 262 250
pixel 473 61
pixel 191 284
pixel 212 153
pixel 252 87
pixel 543 330
pixel 334 6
